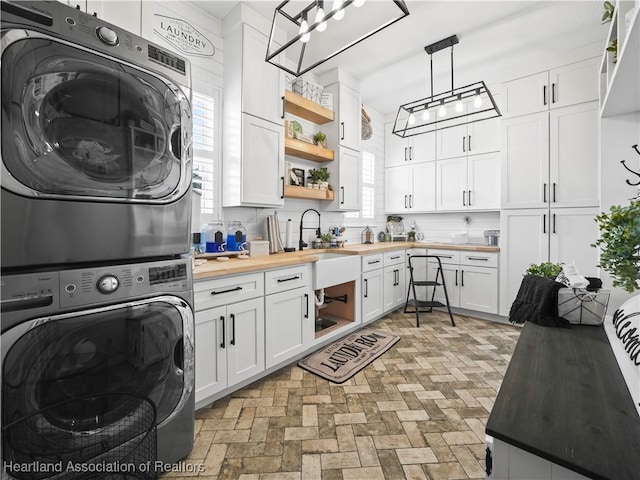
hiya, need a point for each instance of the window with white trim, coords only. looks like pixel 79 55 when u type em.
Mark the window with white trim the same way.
pixel 368 177
pixel 204 148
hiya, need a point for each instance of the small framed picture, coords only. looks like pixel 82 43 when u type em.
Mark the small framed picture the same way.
pixel 299 174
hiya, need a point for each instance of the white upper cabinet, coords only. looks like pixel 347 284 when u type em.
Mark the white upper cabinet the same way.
pixel 345 179
pixel 403 151
pixel 568 85
pixel 411 188
pixel 345 130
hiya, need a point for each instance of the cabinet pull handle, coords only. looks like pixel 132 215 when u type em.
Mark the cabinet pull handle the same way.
pixel 226 291
pixel 554 223
pixel 463 143
pixel 410 201
pixel 405 154
pixel 544 95
pixel 544 193
pixel 233 329
pixel 554 192
pixel 222 345
pixel 410 153
pixel 456 277
pixel 395 258
pixel 462 278
pixel 280 280
pixel 544 223
pixel 464 197
pixel 484 259
pixel 341 195
pixel 405 201
pixel 342 127
pixel 371 262
pixel 553 93
pixel 283 107
pixel 282 196
pixel 445 256
pixel 366 288
pixel 469 197
pixel 469 142
pixel 306 297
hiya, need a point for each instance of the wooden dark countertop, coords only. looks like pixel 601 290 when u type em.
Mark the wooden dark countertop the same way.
pixel 564 399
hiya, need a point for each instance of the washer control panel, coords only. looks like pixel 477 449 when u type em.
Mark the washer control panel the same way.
pixel 108 284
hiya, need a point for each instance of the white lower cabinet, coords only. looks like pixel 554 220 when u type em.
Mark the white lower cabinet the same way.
pixel 394 280
pixel 229 332
pixel 471 279
pixel 372 295
pixel 229 345
pixel 289 314
pixel 558 235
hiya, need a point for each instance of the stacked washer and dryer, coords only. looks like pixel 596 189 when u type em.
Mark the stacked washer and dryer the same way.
pixel 95 210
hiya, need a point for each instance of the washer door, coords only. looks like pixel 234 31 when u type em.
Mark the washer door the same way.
pixel 143 348
pixel 78 124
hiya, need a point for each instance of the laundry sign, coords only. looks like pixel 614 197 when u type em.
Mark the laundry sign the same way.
pixel 183 36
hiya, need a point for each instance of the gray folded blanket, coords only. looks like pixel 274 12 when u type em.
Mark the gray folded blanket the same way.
pixel 537 302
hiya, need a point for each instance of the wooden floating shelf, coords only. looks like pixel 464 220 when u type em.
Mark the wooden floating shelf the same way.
pixel 293 191
pixel 308 151
pixel 303 108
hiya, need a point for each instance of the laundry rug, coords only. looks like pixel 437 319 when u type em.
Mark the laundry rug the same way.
pixel 341 360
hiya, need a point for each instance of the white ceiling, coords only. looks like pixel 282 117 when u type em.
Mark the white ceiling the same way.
pixel 497 39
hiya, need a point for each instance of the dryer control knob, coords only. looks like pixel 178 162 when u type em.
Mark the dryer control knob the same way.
pixel 107 35
pixel 108 284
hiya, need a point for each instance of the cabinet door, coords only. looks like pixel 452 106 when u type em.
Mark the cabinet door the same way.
pixel 389 290
pixel 349 118
pixel 483 136
pixel 400 288
pixel 483 182
pixel 574 134
pixel 572 231
pixel 479 288
pixel 574 83
pixel 372 295
pixel 210 352
pixel 526 95
pixel 451 181
pixel 262 168
pixel 397 186
pixel 451 280
pixel 524 240
pixel 348 194
pixel 422 196
pixel 289 324
pixel 396 149
pixel 525 161
pixel 422 148
pixel 452 142
pixel 245 339
pixel 262 82
pixel 124 14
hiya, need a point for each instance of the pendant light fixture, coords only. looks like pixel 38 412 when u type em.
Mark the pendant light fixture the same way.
pixel 303 38
pixel 458 106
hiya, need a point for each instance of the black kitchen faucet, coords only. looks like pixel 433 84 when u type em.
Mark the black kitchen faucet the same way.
pixel 301 243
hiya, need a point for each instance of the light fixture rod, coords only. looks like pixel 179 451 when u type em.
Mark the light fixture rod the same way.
pixel 431 70
pixel 451 68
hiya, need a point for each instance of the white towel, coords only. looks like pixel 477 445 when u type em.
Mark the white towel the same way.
pixel 273 233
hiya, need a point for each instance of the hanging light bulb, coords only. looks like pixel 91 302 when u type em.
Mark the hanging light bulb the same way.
pixel 322 26
pixel 358 3
pixel 477 100
pixel 459 105
pixel 304 30
pixel 426 115
pixel 442 111
pixel 337 6
pixel 412 119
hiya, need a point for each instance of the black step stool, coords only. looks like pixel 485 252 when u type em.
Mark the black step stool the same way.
pixel 426 306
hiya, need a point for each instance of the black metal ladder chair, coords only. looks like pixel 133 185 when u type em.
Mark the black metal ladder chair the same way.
pixel 426 306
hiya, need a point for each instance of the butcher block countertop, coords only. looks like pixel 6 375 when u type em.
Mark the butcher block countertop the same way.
pixel 214 268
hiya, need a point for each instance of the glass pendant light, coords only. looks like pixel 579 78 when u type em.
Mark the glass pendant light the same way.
pixel 304 30
pixel 459 105
pixel 358 3
pixel 412 119
pixel 322 26
pixel 337 6
pixel 442 111
pixel 477 100
pixel 426 115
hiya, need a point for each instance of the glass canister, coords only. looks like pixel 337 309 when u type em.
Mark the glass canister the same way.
pixel 214 235
pixel 236 237
pixel 367 236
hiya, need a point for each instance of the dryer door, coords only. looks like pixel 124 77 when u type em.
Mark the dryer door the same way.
pixel 79 125
pixel 143 348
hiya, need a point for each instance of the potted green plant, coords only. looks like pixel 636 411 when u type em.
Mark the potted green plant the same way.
pixel 613 49
pixel 544 269
pixel 320 176
pixel 619 244
pixel 607 14
pixel 320 139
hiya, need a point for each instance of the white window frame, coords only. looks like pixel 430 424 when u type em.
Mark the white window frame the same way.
pixel 367 193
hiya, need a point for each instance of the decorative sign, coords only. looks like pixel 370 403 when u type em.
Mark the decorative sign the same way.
pixel 183 36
